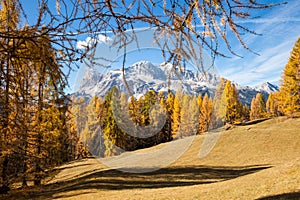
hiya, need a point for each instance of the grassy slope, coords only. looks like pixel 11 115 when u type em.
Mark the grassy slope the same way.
pixel 248 162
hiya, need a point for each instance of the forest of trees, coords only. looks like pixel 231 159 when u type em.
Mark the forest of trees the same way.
pixel 40 127
pixel 286 101
pixel 36 128
pixel 185 114
pixel 105 133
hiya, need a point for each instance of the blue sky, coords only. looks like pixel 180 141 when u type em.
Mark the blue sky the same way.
pixel 280 28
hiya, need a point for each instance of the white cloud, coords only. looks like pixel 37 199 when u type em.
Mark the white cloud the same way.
pixel 103 38
pixel 272 23
pixel 280 29
pixel 270 20
pixel 255 70
pixel 82 44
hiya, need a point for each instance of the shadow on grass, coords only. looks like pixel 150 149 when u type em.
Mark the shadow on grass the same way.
pixel 111 179
pixel 256 121
pixel 292 195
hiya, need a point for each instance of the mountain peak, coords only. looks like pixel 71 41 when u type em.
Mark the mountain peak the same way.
pixel 267 87
pixel 145 70
pixel 144 75
pixel 142 63
pixel 90 78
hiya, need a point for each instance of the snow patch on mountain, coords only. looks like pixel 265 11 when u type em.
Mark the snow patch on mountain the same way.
pixel 144 75
pixel 267 87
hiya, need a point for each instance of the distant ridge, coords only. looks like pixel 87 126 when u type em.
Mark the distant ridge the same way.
pixel 143 76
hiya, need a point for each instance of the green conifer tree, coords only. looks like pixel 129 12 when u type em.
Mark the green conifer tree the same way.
pixel 112 132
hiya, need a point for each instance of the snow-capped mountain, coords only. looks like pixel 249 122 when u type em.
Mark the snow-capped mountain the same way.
pixel 143 76
pixel 267 87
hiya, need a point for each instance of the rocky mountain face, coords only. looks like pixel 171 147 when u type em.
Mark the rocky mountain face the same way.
pixel 143 76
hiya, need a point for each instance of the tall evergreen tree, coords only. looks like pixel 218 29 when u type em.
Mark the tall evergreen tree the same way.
pixel 231 100
pixel 176 116
pixel 258 107
pixel 134 110
pixel 79 110
pixel 206 111
pixel 112 132
pixel 149 101
pixel 9 16
pixel 199 102
pixel 185 120
pixel 219 106
pixel 92 134
pixel 74 141
pixel 170 109
pixel 194 115
pixel 32 84
pixel 290 83
pixel 272 107
pixel 49 83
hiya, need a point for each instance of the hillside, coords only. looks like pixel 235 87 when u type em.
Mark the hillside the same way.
pixel 248 162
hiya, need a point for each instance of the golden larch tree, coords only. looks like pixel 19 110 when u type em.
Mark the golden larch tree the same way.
pixel 290 83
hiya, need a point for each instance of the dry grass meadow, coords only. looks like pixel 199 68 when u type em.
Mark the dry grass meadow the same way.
pixel 258 161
